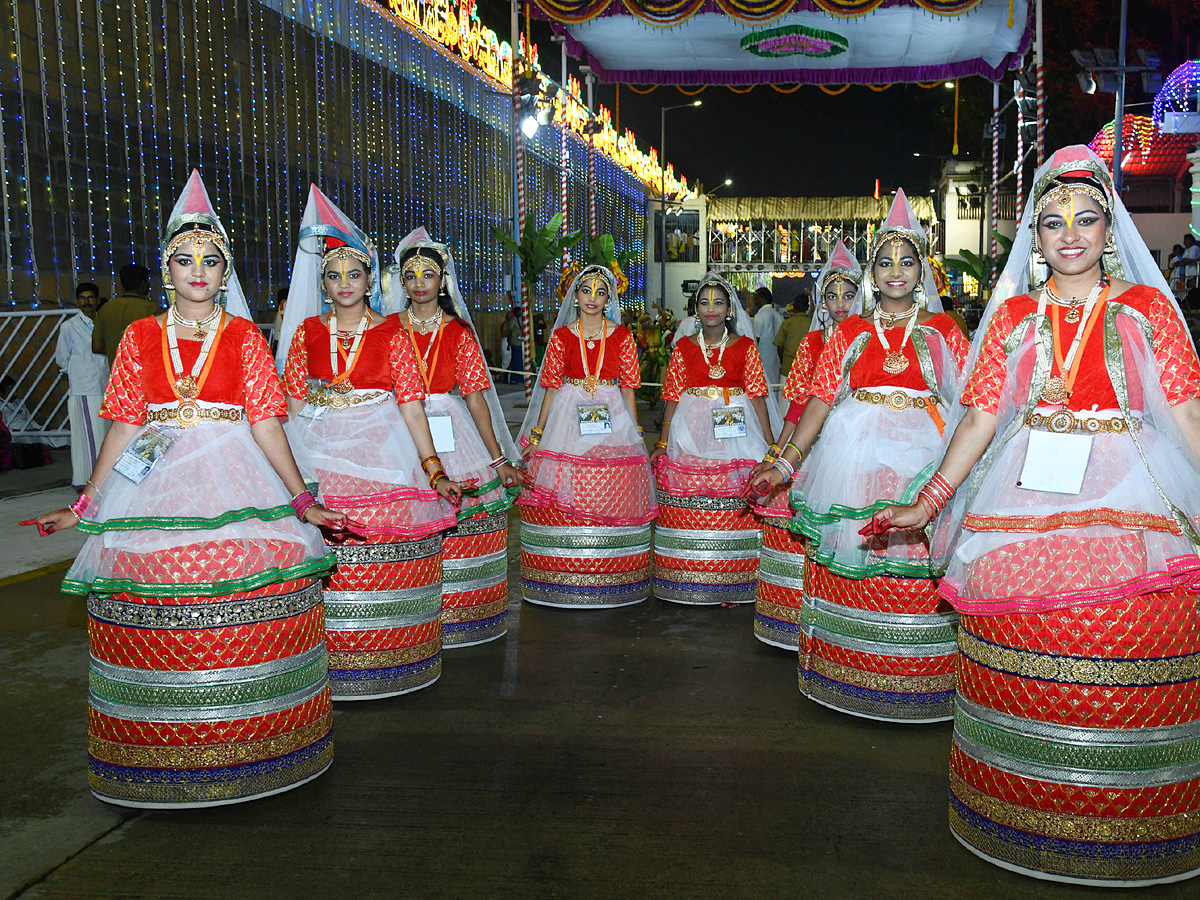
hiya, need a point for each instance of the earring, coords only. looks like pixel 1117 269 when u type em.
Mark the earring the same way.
pixel 1109 246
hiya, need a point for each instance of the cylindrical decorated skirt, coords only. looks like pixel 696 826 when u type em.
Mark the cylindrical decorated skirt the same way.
pixel 383 607
pixel 569 563
pixel 203 701
pixel 778 603
pixel 475 581
pixel 705 550
pixel 881 647
pixel 1077 741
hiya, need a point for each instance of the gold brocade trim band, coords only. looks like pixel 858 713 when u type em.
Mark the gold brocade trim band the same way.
pixel 189 413
pixel 584 383
pixel 894 400
pixel 1064 421
pixel 451 614
pixel 1120 869
pixel 216 792
pixel 1106 830
pixel 208 756
pixel 699 576
pixel 1081 518
pixel 881 681
pixel 790 614
pixel 1077 670
pixel 713 391
pixel 325 396
pixel 368 660
pixel 586 579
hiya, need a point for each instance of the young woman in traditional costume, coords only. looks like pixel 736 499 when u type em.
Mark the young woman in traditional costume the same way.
pixel 716 426
pixel 876 641
pixel 469 434
pixel 1072 490
pixel 358 430
pixel 778 602
pixel 587 499
pixel 205 618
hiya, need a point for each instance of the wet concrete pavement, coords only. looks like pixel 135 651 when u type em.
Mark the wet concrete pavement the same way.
pixel 651 751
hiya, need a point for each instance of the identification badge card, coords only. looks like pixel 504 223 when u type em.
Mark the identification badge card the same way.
pixel 1055 462
pixel 142 454
pixel 442 429
pixel 594 420
pixel 729 422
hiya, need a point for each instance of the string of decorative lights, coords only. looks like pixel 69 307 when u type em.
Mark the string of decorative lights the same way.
pixel 409 134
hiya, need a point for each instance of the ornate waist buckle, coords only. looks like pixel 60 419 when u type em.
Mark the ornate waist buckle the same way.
pixel 327 396
pixel 1064 421
pixel 896 400
pixel 713 391
pixel 189 413
pixel 583 382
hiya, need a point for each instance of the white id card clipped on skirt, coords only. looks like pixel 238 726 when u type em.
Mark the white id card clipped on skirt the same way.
pixel 1055 462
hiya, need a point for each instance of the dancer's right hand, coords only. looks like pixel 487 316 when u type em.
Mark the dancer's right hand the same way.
pixel 59 520
pixel 763 481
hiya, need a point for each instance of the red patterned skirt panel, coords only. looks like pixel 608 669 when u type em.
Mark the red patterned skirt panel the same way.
pixel 1077 740
pixel 705 550
pixel 881 647
pixel 475 581
pixel 780 593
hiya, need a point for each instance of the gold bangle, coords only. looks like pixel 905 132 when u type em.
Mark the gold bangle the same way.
pixel 536 430
pixel 534 439
pixel 95 487
pixel 435 477
pixel 660 445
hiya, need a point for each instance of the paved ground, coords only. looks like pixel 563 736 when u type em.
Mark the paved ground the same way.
pixel 651 751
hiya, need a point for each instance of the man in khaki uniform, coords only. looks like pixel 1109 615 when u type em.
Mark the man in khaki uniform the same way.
pixel 117 314
pixel 793 330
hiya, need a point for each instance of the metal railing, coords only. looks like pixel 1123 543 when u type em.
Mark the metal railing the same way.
pixel 27 344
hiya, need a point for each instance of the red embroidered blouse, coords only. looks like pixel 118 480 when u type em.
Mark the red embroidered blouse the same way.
pixel 688 368
pixel 386 361
pixel 453 358
pixel 242 373
pixel 562 359
pixel 1179 370
pixel 867 371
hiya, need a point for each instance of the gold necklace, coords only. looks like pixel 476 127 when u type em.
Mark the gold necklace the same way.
pixel 889 320
pixel 346 338
pixel 1075 304
pixel 199 324
pixel 425 326
pixel 591 339
pixel 715 369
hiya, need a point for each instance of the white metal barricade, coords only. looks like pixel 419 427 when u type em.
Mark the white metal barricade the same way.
pixel 36 407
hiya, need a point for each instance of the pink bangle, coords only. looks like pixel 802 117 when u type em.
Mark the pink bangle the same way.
pixel 303 502
pixel 84 507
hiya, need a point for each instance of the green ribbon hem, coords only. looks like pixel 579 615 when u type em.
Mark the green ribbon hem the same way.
pixel 187 523
pixel 274 575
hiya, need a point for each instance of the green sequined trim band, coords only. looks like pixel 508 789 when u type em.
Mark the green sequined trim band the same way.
pixel 187 523
pixel 274 575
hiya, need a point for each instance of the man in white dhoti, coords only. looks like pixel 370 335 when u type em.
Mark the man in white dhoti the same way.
pixel 767 320
pixel 87 376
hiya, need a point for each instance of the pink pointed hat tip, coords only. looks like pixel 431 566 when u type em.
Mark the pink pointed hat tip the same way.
pixel 898 214
pixel 841 257
pixel 195 197
pixel 327 213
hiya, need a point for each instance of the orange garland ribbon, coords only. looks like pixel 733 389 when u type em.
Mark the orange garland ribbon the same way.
pixel 1096 315
pixel 212 355
pixel 436 340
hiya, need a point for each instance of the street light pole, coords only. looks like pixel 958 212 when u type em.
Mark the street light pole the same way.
pixel 662 199
pixel 1119 121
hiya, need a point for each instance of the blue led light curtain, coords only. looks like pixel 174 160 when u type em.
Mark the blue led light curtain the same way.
pixel 263 99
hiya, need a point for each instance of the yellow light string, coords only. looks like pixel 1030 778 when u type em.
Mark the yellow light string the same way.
pixel 698 90
pixel 879 88
pixel 790 90
pixel 637 90
pixel 744 90
pixel 833 92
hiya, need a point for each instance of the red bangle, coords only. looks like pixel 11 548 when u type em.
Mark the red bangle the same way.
pixel 303 502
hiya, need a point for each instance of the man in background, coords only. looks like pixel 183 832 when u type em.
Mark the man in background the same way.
pixel 767 322
pixel 118 313
pixel 793 330
pixel 87 376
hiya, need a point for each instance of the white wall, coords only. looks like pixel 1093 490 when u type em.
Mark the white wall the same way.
pixel 1161 231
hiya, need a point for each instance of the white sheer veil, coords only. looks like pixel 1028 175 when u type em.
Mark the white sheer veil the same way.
pixel 194 208
pixel 1022 274
pixel 902 221
pixel 745 328
pixel 841 262
pixel 567 314
pixel 396 301
pixel 321 220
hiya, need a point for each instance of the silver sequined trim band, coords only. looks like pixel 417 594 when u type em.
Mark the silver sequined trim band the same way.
pixel 208 713
pixel 370 554
pixel 1074 734
pixel 485 525
pixel 471 561
pixel 206 677
pixel 717 503
pixel 221 614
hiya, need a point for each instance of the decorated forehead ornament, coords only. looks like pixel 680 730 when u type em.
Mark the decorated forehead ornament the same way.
pixel 343 252
pixel 418 261
pixel 832 279
pixel 589 280
pixel 198 237
pixel 1064 194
